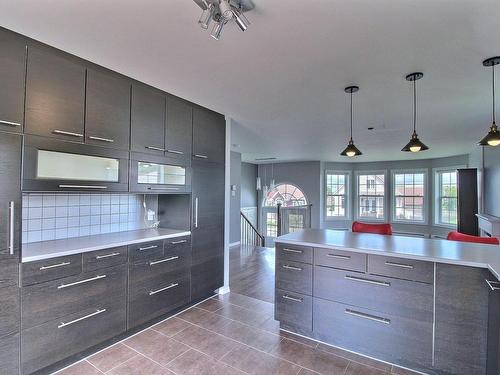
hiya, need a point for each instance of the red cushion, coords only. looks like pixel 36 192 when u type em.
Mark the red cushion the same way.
pixel 457 236
pixel 372 228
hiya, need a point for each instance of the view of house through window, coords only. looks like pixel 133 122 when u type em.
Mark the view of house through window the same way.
pixel 336 194
pixel 447 197
pixel 409 195
pixel 371 196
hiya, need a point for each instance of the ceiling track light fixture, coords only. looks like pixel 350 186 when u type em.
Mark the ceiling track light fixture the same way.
pixel 415 144
pixel 351 150
pixel 493 136
pixel 221 12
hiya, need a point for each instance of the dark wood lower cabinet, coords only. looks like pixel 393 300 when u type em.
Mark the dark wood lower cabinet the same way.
pixel 9 354
pixel 206 277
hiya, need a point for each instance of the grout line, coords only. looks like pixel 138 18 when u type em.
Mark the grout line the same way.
pixel 91 364
pixel 345 371
pixel 151 359
pixel 118 365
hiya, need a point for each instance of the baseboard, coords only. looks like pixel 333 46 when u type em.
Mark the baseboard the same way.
pixel 223 289
pixel 234 244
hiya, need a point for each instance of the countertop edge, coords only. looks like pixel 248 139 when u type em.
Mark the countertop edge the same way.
pixel 103 246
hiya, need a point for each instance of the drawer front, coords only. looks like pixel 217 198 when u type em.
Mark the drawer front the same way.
pixel 9 309
pixel 293 309
pixel 104 258
pixel 177 244
pixel 56 299
pixel 56 340
pixel 345 260
pixel 399 340
pixel 392 296
pixel 9 354
pixel 294 253
pixel 294 276
pixel 9 274
pixel 158 297
pixel 145 250
pixel 50 269
pixel 407 269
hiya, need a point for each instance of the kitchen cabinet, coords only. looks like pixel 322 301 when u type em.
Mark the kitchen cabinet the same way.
pixel 493 354
pixel 208 135
pixel 147 120
pixel 178 128
pixel 55 94
pixel 107 117
pixel 12 74
pixel 9 354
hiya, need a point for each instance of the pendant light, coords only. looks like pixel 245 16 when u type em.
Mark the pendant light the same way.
pixel 493 136
pixel 415 145
pixel 351 150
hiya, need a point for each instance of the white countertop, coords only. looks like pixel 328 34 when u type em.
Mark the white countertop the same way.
pixel 69 246
pixel 433 250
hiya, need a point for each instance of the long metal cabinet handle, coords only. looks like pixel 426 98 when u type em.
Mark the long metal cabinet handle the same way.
pixel 162 188
pixel 12 234
pixel 155 148
pixel 293 268
pixel 175 152
pixel 107 256
pixel 367 316
pixel 97 312
pixel 109 140
pixel 63 132
pixel 492 286
pixel 164 260
pixel 178 242
pixel 55 266
pixel 286 296
pixel 83 186
pixel 368 281
pixel 201 156
pixel 293 251
pixel 162 289
pixel 400 265
pixel 10 123
pixel 99 277
pixel 336 256
pixel 196 212
pixel 148 247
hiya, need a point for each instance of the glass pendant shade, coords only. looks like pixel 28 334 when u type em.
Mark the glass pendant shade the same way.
pixel 492 138
pixel 415 144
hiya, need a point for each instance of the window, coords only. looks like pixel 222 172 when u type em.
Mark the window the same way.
pixel 286 194
pixel 295 223
pixel 409 196
pixel 371 196
pixel 271 224
pixel 446 197
pixel 337 195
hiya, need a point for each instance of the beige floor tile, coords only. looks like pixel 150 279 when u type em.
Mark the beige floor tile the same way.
pixel 356 357
pixel 253 337
pixel 80 368
pixel 140 365
pixel 171 327
pixel 111 357
pixel 355 368
pixel 195 363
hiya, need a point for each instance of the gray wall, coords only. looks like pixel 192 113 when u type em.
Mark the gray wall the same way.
pixel 248 185
pixel 234 201
pixel 492 180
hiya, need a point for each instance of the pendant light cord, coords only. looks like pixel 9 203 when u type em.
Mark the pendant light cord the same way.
pixel 414 106
pixel 493 89
pixel 351 114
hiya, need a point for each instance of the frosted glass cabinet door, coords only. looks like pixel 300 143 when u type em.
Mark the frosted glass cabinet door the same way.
pixel 160 174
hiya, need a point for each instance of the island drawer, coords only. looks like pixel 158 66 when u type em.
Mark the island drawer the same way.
pixel 387 295
pixel 387 337
pixel 50 269
pixel 56 340
pixel 293 309
pixel 104 258
pixel 401 268
pixel 294 276
pixel 294 253
pixel 340 259
pixel 145 250
pixel 56 299
pixel 177 243
pixel 157 297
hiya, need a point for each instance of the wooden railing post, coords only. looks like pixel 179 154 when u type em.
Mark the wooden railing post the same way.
pixel 278 219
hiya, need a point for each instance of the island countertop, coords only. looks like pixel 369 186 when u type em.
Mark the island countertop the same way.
pixel 433 250
pixel 69 246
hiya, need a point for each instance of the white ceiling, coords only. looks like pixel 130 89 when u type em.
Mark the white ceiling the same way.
pixel 282 80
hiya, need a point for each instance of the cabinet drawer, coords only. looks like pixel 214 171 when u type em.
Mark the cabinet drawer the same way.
pixel 177 243
pixel 294 253
pixel 145 250
pixel 294 276
pixel 157 297
pixel 50 269
pixel 56 340
pixel 392 296
pixel 104 258
pixel 9 354
pixel 345 260
pixel 10 270
pixel 293 309
pixel 56 299
pixel 408 269
pixel 9 309
pixel 399 340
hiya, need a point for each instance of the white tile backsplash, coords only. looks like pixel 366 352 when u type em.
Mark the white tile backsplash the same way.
pixel 57 216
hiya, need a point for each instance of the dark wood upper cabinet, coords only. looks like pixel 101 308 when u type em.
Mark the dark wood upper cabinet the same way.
pixel 179 128
pixel 12 71
pixel 209 135
pixel 55 95
pixel 148 120
pixel 107 119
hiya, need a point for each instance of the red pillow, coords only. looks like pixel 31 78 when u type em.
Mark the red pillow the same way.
pixel 372 228
pixel 457 236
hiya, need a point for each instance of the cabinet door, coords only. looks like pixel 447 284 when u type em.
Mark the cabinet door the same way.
pixel 55 95
pixel 107 120
pixel 209 135
pixel 9 354
pixel 148 120
pixel 12 71
pixel 179 128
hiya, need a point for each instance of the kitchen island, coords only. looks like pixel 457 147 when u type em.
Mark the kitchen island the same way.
pixel 426 304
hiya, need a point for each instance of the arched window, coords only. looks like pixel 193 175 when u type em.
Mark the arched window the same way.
pixel 287 194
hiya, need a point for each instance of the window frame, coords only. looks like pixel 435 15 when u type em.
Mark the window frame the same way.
pixel 436 194
pixel 356 195
pixel 425 208
pixel 348 195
